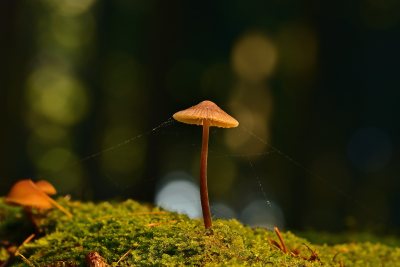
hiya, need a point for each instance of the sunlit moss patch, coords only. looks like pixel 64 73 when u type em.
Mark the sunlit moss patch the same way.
pixel 131 234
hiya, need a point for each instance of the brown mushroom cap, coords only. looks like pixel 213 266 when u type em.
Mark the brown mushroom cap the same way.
pixel 46 187
pixel 206 111
pixel 26 193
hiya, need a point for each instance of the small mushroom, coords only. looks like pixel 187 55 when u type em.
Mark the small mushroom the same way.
pixel 46 187
pixel 206 114
pixel 26 194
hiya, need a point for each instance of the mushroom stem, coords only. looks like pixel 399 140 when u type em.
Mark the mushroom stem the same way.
pixel 58 206
pixel 205 206
pixel 28 213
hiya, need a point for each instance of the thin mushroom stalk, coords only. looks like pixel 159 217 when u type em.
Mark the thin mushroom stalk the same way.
pixel 58 206
pixel 205 204
pixel 206 114
pixel 49 189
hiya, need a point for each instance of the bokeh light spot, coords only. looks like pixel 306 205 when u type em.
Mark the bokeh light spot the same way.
pixel 252 122
pixel 71 7
pixel 180 196
pixel 57 96
pixel 178 193
pixel 254 57
pixel 48 133
pixel 223 211
pixel 71 32
pixel 259 213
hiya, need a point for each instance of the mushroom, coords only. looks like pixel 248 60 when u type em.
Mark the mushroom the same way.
pixel 207 114
pixel 46 187
pixel 26 194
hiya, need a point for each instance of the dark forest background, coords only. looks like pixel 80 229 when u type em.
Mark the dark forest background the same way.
pixel 317 80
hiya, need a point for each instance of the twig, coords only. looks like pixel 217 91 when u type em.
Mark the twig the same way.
pixel 314 255
pixel 341 264
pixel 124 256
pixel 26 260
pixel 16 253
pixel 134 214
pixel 160 223
pixel 278 233
pixel 27 240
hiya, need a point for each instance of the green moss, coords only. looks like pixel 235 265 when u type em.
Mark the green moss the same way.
pixel 131 234
pixel 348 237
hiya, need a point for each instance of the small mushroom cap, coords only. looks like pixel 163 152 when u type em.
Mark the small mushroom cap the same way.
pixel 26 193
pixel 206 111
pixel 46 187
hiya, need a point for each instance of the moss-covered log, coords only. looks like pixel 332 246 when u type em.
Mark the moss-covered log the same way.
pixel 131 234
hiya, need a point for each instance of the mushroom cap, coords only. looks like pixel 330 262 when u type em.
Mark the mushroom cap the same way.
pixel 26 193
pixel 206 111
pixel 46 187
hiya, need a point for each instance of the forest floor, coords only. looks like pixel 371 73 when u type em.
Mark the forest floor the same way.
pixel 131 234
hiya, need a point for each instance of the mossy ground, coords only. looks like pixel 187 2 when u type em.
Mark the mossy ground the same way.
pixel 131 234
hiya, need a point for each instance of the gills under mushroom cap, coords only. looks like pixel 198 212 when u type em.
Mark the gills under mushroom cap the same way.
pixel 206 111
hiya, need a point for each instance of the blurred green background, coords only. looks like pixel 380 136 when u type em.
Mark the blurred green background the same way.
pixel 318 81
